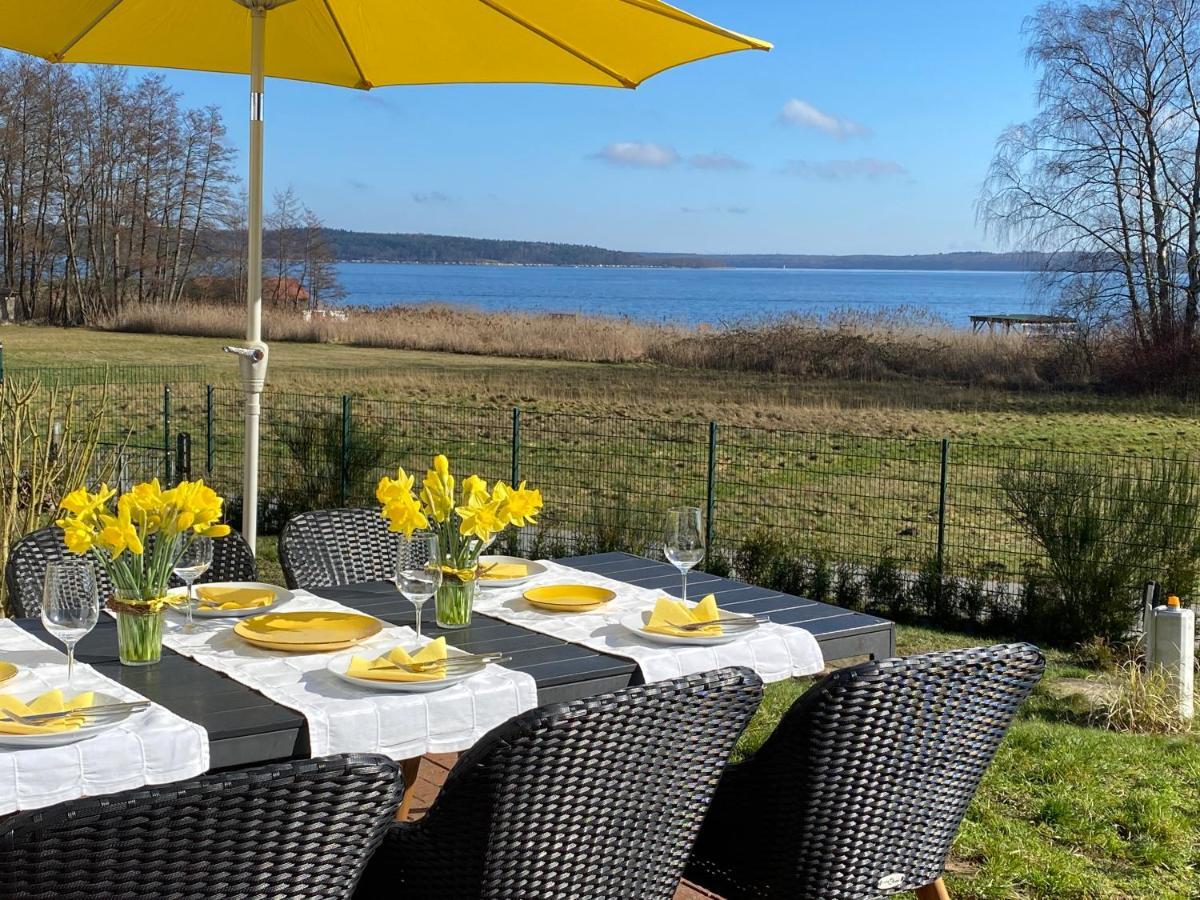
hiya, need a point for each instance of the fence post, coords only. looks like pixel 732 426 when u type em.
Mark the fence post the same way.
pixel 516 446
pixel 1 362
pixel 166 422
pixel 711 498
pixel 941 531
pixel 344 491
pixel 208 429
pixel 183 457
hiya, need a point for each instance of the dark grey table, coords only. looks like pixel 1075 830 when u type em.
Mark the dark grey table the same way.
pixel 245 728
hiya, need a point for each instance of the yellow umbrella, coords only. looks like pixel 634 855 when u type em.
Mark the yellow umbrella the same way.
pixel 362 44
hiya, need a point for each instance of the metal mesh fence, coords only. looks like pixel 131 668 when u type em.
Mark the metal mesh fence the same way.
pixel 856 518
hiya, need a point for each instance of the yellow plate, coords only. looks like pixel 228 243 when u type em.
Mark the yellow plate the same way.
pixel 568 597
pixel 7 671
pixel 313 631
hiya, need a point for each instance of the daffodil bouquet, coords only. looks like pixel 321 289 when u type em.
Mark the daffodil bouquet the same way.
pixel 465 524
pixel 138 545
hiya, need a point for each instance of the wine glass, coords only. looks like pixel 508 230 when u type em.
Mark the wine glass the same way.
pixel 683 540
pixel 418 569
pixel 70 603
pixel 193 561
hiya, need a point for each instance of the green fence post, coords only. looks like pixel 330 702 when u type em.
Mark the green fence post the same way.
pixel 166 421
pixel 208 429
pixel 344 492
pixel 516 446
pixel 711 498
pixel 941 531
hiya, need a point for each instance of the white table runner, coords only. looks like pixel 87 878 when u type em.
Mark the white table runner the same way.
pixel 344 718
pixel 774 651
pixel 152 747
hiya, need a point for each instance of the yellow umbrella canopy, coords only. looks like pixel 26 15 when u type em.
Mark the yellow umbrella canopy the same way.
pixel 361 44
pixel 372 43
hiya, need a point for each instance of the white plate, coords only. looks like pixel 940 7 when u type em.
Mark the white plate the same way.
pixel 62 738
pixel 634 622
pixel 282 595
pixel 340 663
pixel 534 570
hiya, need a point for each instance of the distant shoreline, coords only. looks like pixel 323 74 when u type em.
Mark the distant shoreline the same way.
pixel 731 268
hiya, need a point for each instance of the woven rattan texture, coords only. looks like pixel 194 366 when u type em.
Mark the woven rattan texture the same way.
pixel 860 790
pixel 28 558
pixel 329 547
pixel 295 831
pixel 596 799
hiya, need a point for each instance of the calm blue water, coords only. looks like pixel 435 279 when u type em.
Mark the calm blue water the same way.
pixel 691 295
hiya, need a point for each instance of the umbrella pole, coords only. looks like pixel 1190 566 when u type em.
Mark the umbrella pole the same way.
pixel 254 363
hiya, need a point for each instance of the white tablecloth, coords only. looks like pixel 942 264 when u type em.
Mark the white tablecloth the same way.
pixel 152 747
pixel 344 718
pixel 775 652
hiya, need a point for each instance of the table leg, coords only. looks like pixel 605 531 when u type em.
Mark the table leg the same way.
pixel 410 768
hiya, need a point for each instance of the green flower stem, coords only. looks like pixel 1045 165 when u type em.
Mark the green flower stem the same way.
pixel 139 637
pixel 454 602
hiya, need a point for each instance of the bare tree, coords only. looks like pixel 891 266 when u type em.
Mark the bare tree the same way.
pixel 1106 177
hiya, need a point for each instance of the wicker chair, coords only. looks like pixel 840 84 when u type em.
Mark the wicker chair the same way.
pixel 328 547
pixel 296 830
pixel 860 790
pixel 27 560
pixel 595 799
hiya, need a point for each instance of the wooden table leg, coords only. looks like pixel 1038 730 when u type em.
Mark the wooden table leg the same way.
pixel 410 768
pixel 935 891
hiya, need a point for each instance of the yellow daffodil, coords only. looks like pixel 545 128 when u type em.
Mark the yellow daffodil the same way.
pixel 390 489
pixel 480 520
pixel 475 489
pixel 118 533
pixel 78 535
pixel 404 515
pixel 215 531
pixel 437 491
pixel 83 504
pixel 520 507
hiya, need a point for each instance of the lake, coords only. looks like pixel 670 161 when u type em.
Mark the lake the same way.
pixel 691 296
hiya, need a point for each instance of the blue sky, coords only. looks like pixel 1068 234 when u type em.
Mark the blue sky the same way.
pixel 867 130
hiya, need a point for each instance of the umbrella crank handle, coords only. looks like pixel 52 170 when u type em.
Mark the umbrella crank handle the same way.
pixel 253 363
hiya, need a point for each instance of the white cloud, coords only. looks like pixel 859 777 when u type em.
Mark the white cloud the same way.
pixel 430 197
pixel 717 162
pixel 804 114
pixel 638 153
pixel 844 169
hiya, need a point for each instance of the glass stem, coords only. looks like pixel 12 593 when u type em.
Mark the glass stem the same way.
pixel 418 607
pixel 70 662
pixel 683 572
pixel 191 599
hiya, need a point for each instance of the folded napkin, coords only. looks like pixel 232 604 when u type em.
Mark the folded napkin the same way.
pixel 49 702
pixel 388 666
pixel 669 615
pixel 505 570
pixel 234 597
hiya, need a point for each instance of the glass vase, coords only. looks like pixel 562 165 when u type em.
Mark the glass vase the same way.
pixel 139 631
pixel 454 601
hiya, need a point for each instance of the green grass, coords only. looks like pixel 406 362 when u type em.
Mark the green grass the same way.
pixel 1067 811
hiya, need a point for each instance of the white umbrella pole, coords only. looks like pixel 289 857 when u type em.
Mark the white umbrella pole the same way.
pixel 254 363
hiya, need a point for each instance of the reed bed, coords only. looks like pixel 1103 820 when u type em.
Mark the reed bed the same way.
pixel 899 343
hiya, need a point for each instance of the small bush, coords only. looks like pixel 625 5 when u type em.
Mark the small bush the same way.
pixel 312 477
pixel 887 589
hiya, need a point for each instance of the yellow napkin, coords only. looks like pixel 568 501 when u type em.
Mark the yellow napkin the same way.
pixel 505 570
pixel 387 667
pixel 49 702
pixel 668 615
pixel 234 597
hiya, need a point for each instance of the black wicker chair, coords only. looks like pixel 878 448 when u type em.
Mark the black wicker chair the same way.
pixel 597 799
pixel 26 569
pixel 328 547
pixel 860 790
pixel 296 830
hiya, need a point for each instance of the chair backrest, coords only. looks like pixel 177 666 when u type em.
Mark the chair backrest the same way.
pixel 27 560
pixel 328 547
pixel 297 830
pixel 594 799
pixel 862 786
